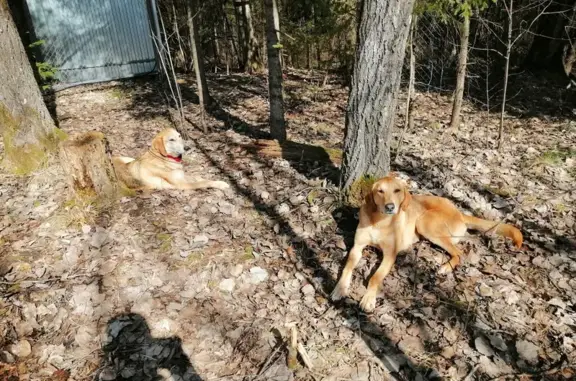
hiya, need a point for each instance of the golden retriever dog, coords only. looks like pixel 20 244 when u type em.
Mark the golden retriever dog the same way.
pixel 392 220
pixel 161 167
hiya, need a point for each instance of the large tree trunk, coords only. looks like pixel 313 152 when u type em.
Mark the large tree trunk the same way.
pixel 197 55
pixel 277 123
pixel 89 166
pixel 462 59
pixel 28 131
pixel 382 32
pixel 253 55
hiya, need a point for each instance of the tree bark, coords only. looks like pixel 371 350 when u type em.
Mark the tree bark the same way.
pixel 197 55
pixel 382 32
pixel 462 59
pixel 253 55
pixel 28 131
pixel 277 29
pixel 89 166
pixel 277 123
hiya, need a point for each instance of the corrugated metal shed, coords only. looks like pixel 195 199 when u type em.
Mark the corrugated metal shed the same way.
pixel 94 40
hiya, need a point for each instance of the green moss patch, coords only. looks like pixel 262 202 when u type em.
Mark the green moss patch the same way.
pixel 26 158
pixel 359 189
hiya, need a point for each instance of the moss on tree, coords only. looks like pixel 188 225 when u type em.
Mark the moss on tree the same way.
pixel 359 190
pixel 24 158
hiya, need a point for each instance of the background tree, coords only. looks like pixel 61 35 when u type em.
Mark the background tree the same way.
pixel 277 122
pixel 461 72
pixel 197 54
pixel 28 131
pixel 253 58
pixel 382 32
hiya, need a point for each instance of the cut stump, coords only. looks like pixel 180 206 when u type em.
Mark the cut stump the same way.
pixel 87 160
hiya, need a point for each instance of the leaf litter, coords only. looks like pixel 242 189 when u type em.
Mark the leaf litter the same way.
pixel 221 277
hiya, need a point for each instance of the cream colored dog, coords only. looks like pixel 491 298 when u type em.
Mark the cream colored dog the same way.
pixel 161 167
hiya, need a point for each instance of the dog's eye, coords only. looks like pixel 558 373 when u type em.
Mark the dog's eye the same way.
pixel 396 190
pixel 380 190
pixel 172 140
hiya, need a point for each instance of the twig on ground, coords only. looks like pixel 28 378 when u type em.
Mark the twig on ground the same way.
pixel 304 355
pixel 269 360
pixel 471 374
pixel 293 349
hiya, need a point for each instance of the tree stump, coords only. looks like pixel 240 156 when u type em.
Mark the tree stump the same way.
pixel 86 159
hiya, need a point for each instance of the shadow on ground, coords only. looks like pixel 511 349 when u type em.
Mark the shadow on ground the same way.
pixel 427 293
pixel 131 353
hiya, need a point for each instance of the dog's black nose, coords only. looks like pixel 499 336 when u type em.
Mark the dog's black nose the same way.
pixel 389 207
pixel 186 148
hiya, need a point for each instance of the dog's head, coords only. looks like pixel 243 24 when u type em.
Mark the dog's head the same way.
pixel 389 195
pixel 169 143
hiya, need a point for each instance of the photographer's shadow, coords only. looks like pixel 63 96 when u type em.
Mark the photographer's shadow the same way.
pixel 131 353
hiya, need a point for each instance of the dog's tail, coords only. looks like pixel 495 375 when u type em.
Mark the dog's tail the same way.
pixel 486 226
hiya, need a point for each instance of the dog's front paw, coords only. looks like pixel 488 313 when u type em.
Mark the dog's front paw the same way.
pixel 339 292
pixel 446 268
pixel 368 302
pixel 220 185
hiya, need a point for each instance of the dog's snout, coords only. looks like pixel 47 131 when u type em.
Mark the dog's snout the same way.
pixel 186 148
pixel 389 207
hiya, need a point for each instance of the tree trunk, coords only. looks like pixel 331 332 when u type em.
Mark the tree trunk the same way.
pixel 197 56
pixel 549 38
pixel 228 31
pixel 277 123
pixel 506 69
pixel 180 57
pixel 277 29
pixel 409 117
pixel 216 47
pixel 89 166
pixel 382 32
pixel 462 59
pixel 28 131
pixel 238 13
pixel 253 55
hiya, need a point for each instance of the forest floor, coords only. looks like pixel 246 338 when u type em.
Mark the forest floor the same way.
pixel 209 284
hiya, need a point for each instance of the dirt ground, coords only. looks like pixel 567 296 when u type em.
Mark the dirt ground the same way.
pixel 208 285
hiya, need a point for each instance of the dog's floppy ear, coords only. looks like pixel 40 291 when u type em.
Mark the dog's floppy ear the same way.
pixel 369 197
pixel 407 199
pixel 369 200
pixel 158 145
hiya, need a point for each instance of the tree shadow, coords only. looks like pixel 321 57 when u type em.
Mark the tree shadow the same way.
pixel 309 160
pixel 131 353
pixel 370 331
pixel 438 296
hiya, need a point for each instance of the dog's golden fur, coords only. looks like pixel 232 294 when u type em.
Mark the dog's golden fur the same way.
pixel 161 167
pixel 392 219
